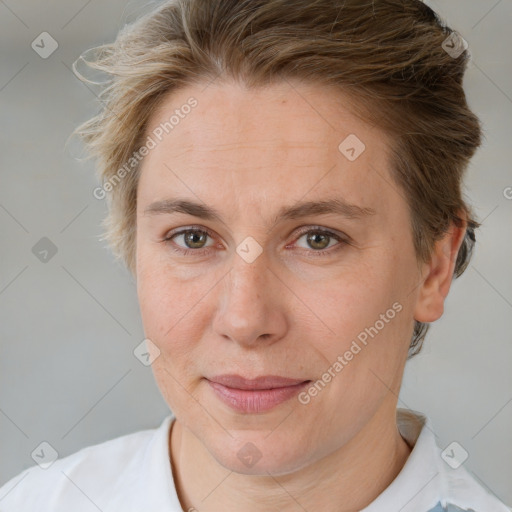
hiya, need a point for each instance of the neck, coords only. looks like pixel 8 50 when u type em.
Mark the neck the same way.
pixel 347 479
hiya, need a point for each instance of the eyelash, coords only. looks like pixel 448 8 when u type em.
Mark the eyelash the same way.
pixel 309 229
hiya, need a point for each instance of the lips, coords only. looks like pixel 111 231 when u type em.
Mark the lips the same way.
pixel 258 395
pixel 258 383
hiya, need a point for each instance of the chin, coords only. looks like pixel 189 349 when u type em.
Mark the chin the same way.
pixel 258 455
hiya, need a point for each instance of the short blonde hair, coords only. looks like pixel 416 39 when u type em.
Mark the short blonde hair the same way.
pixel 391 56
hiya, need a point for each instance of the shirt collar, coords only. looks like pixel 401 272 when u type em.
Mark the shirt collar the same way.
pixel 421 480
pixel 152 486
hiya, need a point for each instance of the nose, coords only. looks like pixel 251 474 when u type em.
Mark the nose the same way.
pixel 252 304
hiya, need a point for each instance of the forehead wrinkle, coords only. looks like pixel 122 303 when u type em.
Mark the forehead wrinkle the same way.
pixel 208 148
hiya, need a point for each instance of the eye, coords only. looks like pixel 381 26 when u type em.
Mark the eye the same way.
pixel 193 239
pixel 320 239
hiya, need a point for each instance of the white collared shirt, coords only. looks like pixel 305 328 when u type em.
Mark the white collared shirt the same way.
pixel 133 473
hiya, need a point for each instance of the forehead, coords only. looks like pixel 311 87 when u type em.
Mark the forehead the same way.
pixel 280 115
pixel 287 138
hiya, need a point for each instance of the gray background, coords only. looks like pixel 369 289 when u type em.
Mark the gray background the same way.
pixel 68 327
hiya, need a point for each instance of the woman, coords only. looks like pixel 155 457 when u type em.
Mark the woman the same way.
pixel 284 183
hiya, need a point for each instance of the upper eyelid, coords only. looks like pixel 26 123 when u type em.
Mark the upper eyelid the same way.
pixel 181 231
pixel 326 231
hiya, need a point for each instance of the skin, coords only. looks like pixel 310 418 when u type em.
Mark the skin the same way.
pixel 247 153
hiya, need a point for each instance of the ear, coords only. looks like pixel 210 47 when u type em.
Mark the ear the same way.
pixel 438 274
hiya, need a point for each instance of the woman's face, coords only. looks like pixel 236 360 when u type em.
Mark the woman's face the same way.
pixel 256 292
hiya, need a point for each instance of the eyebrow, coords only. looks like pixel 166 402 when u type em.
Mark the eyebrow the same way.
pixel 337 206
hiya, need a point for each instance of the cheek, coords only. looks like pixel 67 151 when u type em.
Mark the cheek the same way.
pixel 365 318
pixel 362 360
pixel 159 298
pixel 348 302
pixel 172 323
pixel 172 310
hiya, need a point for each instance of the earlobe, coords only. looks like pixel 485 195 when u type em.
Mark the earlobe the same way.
pixel 437 275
